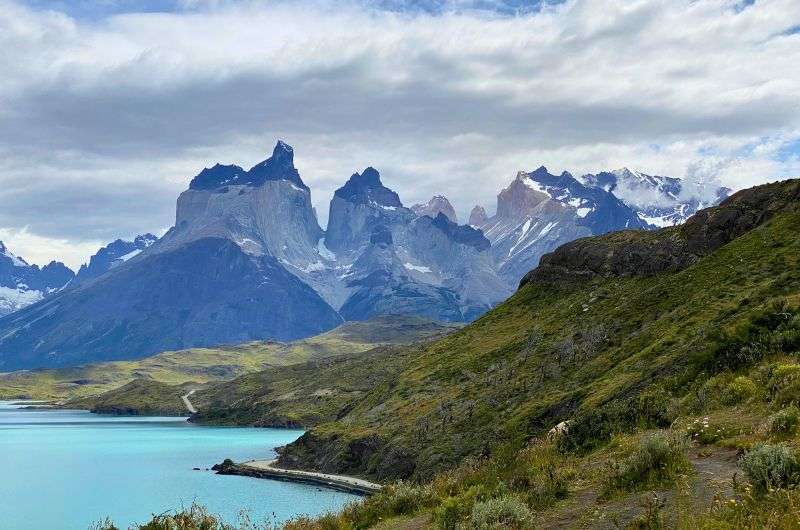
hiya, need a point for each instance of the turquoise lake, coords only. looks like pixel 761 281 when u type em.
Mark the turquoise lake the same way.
pixel 64 470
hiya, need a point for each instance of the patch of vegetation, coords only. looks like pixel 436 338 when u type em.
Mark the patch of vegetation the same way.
pixel 784 422
pixel 195 517
pixel 775 510
pixel 771 467
pixel 656 462
pixel 507 511
pixel 139 397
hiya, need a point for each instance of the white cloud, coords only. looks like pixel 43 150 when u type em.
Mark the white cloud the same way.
pixel 115 115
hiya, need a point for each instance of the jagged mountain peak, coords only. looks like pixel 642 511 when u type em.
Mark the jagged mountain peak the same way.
pixel 436 205
pixel 366 188
pixel 478 216
pixel 15 260
pixel 114 254
pixel 279 166
pixel 659 201
pixel 22 284
pixel 217 176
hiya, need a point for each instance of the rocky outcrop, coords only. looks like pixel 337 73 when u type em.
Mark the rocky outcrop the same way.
pixel 630 253
pixel 280 166
pixel 438 204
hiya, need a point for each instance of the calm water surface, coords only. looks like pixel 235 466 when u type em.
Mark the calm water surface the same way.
pixel 64 470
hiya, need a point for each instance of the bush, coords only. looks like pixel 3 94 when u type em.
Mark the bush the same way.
pixel 784 421
pixel 657 460
pixel 194 518
pixel 541 474
pixel 450 513
pixel 785 383
pixel 770 467
pixel 503 512
pixel 404 498
pixel 654 408
pixel 740 390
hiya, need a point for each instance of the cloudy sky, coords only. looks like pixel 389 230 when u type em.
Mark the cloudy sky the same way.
pixel 108 108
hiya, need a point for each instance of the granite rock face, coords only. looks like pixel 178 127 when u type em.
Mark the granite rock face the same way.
pixel 234 268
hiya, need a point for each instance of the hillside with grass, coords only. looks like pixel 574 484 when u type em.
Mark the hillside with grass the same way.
pixel 204 365
pixel 671 357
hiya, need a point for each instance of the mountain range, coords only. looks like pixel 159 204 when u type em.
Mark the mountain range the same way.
pixel 248 260
pixel 22 284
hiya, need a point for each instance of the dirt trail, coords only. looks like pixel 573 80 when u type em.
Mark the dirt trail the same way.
pixel 714 468
pixel 188 403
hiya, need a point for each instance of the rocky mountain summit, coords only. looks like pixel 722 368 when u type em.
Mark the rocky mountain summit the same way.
pixel 436 205
pixel 22 284
pixel 539 211
pixel 115 253
pixel 659 201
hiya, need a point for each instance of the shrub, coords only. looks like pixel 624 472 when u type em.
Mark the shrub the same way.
pixel 770 467
pixel 657 460
pixel 194 518
pixel 541 474
pixel 404 498
pixel 785 383
pixel 740 390
pixel 593 428
pixel 784 421
pixel 500 513
pixel 450 513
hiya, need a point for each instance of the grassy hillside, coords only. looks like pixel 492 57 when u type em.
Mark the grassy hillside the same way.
pixel 202 365
pixel 139 397
pixel 301 395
